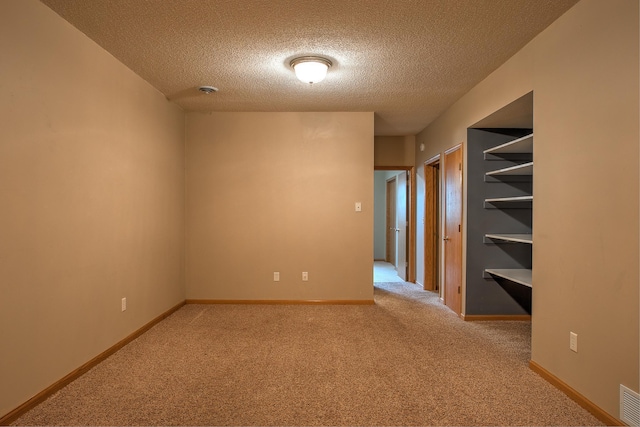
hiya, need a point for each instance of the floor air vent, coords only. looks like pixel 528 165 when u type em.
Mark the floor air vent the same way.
pixel 629 406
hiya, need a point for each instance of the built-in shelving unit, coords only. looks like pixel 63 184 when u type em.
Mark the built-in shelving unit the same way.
pixel 499 207
pixel 520 149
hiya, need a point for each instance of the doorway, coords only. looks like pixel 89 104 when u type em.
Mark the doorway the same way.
pixel 432 250
pixel 394 219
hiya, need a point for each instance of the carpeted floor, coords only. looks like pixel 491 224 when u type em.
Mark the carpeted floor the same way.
pixel 385 272
pixel 405 361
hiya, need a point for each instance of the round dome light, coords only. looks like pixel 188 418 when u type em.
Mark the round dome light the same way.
pixel 207 89
pixel 311 69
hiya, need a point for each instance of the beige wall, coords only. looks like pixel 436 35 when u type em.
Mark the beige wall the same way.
pixel 276 192
pixel 584 73
pixel 394 150
pixel 92 188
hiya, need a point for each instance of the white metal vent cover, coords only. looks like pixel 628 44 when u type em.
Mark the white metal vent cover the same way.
pixel 629 406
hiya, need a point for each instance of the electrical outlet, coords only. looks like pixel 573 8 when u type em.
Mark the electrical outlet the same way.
pixel 573 341
pixel 305 276
pixel 124 304
pixel 276 276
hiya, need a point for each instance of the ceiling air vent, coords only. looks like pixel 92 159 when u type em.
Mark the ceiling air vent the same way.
pixel 629 406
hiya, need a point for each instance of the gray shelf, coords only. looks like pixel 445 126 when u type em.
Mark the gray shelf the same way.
pixel 523 169
pixel 516 238
pixel 521 276
pixel 510 199
pixel 517 146
pixel 518 202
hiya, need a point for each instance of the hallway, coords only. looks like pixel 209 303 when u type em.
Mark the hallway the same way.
pixel 384 272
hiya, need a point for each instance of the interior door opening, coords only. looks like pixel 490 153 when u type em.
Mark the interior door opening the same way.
pixel 393 219
pixel 432 224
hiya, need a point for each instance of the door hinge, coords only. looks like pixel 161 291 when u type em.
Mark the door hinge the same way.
pixel 459 166
pixel 459 228
pixel 406 263
pixel 458 289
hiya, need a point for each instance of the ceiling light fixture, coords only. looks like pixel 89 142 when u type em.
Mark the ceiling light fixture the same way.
pixel 310 69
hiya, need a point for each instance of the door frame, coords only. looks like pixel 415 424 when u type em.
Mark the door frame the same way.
pixel 432 223
pixel 411 210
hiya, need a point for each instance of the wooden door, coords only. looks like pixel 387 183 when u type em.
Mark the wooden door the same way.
pixel 391 221
pixel 453 229
pixel 432 225
pixel 401 229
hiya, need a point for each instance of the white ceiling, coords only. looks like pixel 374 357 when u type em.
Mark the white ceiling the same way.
pixel 405 60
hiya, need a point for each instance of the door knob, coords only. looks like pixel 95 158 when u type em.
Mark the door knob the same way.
pixel 445 238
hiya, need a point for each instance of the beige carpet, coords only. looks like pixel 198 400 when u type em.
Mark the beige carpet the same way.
pixel 405 361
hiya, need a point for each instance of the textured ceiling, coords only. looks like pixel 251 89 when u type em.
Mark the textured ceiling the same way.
pixel 405 60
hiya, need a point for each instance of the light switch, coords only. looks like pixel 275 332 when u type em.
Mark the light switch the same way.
pixel 358 207
pixel 573 341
